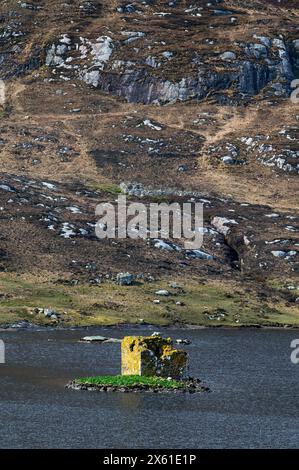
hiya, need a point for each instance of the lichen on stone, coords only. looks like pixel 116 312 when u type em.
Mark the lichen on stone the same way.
pixel 153 356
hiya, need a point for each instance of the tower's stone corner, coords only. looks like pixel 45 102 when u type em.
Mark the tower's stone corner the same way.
pixel 153 356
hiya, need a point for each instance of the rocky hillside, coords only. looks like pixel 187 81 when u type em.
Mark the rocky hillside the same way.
pixel 163 101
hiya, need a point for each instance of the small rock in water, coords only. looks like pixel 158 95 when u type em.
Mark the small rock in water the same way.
pixel 92 339
pixel 183 341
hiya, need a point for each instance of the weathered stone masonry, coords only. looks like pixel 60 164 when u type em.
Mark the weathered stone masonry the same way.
pixel 153 356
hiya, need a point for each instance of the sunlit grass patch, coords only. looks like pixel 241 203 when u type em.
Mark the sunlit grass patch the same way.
pixel 109 188
pixel 131 381
pixel 203 303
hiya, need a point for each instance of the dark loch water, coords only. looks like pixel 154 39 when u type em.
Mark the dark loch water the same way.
pixel 254 401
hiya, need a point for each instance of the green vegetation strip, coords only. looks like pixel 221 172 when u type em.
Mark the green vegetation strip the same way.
pixel 130 381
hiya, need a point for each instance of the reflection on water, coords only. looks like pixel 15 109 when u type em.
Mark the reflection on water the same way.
pixel 130 401
pixel 253 402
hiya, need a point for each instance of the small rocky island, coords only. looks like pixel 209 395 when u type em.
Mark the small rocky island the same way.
pixel 149 364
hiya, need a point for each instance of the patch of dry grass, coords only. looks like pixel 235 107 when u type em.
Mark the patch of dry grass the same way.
pixel 210 303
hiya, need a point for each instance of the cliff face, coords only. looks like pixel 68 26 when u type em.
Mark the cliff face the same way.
pixel 157 52
pixel 245 69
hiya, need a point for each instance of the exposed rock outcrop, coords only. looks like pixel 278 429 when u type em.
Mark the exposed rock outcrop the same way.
pixel 140 64
pixel 244 75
